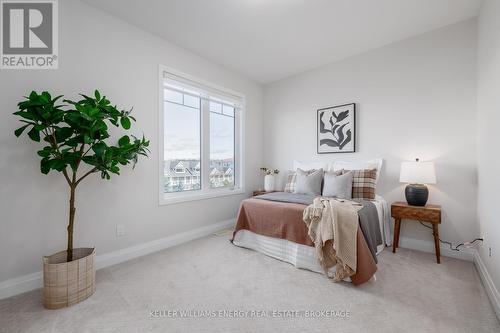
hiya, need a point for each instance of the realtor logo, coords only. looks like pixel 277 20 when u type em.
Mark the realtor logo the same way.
pixel 29 34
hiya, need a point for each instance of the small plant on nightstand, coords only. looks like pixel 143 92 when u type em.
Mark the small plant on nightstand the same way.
pixel 269 179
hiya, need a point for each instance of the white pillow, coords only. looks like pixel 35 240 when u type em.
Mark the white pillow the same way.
pixel 366 165
pixel 309 165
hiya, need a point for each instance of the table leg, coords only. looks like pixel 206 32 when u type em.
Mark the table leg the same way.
pixel 435 232
pixel 399 232
pixel 395 242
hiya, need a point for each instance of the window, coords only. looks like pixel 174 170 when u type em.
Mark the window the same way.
pixel 221 145
pixel 201 155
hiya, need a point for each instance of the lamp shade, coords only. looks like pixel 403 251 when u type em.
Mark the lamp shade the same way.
pixel 417 173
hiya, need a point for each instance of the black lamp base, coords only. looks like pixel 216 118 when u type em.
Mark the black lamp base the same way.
pixel 416 194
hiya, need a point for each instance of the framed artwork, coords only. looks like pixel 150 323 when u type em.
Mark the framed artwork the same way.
pixel 336 131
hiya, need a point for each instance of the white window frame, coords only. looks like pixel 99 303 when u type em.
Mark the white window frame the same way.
pixel 206 192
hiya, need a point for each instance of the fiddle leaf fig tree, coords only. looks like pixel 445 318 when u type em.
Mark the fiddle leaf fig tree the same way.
pixel 76 140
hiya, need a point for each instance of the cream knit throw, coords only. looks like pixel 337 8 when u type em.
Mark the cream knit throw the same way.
pixel 333 226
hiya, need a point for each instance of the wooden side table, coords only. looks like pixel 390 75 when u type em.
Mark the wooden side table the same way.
pixel 428 213
pixel 260 192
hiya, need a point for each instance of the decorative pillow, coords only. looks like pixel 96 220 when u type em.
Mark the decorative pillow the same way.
pixel 291 180
pixel 309 182
pixel 364 165
pixel 338 185
pixel 363 183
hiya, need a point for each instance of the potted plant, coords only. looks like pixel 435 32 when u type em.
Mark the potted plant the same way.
pixel 75 137
pixel 269 179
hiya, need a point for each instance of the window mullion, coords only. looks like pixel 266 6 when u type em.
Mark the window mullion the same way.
pixel 205 145
pixel 237 148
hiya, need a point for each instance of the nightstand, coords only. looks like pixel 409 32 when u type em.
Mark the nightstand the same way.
pixel 428 213
pixel 260 192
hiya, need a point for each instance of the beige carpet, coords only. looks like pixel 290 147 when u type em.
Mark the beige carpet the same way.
pixel 412 294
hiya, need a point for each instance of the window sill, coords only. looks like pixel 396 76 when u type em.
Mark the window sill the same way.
pixel 170 199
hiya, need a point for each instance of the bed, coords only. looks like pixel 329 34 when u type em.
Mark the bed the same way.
pixel 276 229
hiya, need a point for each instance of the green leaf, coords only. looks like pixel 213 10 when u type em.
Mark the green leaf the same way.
pixel 85 115
pixel 45 166
pixel 34 134
pixel 99 148
pixel 86 97
pixel 45 152
pixel 63 133
pixel 45 97
pixel 26 115
pixel 40 127
pixel 99 126
pixel 20 130
pixel 73 142
pixel 56 98
pixel 124 140
pixel 114 169
pixel 73 118
pixel 57 164
pixel 97 95
pixel 93 112
pixel 89 160
pixel 125 121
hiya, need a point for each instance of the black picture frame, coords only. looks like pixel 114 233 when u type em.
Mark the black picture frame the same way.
pixel 327 142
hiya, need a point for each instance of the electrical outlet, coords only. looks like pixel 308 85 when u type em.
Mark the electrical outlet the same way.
pixel 489 251
pixel 120 230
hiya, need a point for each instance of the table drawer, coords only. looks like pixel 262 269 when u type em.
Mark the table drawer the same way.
pixel 412 213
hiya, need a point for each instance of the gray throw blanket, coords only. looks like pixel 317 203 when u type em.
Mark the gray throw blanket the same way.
pixel 368 215
pixel 369 223
pixel 304 199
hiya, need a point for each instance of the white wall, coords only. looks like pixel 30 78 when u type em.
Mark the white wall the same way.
pixel 415 98
pixel 98 51
pixel 489 135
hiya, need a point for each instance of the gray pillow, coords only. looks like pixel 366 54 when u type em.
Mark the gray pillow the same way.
pixel 339 186
pixel 309 182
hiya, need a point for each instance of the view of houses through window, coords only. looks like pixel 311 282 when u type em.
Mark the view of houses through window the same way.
pixel 184 175
pixel 183 141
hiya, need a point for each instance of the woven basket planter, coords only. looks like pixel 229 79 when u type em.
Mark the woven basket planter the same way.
pixel 68 283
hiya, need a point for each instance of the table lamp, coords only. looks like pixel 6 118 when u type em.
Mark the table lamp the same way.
pixel 417 174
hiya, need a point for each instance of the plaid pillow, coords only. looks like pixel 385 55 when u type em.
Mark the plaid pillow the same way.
pixel 291 180
pixel 363 183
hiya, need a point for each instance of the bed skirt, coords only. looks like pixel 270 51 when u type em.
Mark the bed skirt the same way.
pixel 301 256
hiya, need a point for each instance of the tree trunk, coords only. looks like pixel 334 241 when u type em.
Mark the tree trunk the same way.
pixel 72 210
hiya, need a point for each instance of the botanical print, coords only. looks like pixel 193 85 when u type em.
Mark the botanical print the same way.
pixel 336 129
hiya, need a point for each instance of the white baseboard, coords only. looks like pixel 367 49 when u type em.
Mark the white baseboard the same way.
pixel 428 246
pixel 32 281
pixel 20 284
pixel 489 286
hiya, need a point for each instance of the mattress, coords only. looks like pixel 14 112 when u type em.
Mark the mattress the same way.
pixel 299 255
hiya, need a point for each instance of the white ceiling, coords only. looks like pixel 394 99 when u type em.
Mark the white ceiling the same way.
pixel 268 40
